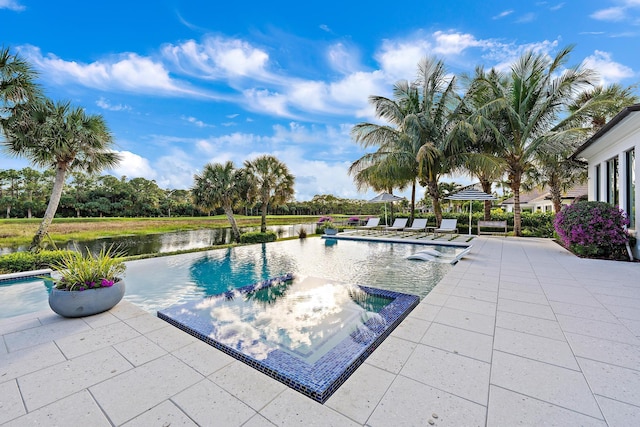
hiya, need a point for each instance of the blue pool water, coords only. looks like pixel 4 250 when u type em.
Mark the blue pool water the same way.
pixel 161 282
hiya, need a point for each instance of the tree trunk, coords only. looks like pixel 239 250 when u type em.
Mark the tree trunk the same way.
pixel 556 194
pixel 228 210
pixel 413 201
pixel 517 217
pixel 432 187
pixel 486 187
pixel 52 207
pixel 263 220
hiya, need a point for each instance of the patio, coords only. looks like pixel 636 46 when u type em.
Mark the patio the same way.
pixel 519 332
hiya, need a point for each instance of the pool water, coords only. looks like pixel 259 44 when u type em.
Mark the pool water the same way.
pixel 162 282
pixel 158 283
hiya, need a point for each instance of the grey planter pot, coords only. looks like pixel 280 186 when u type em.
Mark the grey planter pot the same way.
pixel 330 231
pixel 85 303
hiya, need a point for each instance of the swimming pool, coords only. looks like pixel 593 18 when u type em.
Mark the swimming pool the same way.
pixel 157 283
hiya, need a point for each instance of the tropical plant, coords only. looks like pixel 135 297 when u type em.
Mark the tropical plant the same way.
pixel 523 112
pixel 83 272
pixel 62 137
pixel 270 182
pixel 17 84
pixel 592 228
pixel 221 185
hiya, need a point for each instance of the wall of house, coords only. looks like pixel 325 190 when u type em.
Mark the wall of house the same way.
pixel 615 145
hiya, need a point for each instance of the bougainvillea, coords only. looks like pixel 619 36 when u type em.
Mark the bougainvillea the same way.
pixel 592 228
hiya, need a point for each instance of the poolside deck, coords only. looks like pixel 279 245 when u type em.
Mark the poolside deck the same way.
pixel 519 332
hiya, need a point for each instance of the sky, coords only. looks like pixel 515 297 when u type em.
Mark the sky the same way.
pixel 184 83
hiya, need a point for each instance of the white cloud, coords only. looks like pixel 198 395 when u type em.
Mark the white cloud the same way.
pixel 503 14
pixel 195 121
pixel 134 166
pixel 11 5
pixel 343 58
pixel 611 14
pixel 127 72
pixel 609 70
pixel 325 28
pixel 218 57
pixel 526 18
pixel 454 43
pixel 398 59
pixel 106 105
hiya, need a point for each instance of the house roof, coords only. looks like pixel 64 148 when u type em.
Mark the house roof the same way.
pixel 606 128
pixel 539 194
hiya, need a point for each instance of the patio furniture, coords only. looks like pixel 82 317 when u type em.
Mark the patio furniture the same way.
pixel 397 225
pixel 372 224
pixel 446 226
pixel 419 224
pixel 492 226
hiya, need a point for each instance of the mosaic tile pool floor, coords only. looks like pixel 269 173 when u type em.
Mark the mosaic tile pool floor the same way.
pixel 308 333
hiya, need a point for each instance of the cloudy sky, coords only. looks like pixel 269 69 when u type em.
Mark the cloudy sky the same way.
pixel 183 83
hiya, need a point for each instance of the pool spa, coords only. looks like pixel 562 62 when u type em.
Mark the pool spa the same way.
pixel 306 332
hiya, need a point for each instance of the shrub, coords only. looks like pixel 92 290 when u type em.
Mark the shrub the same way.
pixel 81 272
pixel 17 262
pixel 592 228
pixel 302 233
pixel 47 259
pixel 258 237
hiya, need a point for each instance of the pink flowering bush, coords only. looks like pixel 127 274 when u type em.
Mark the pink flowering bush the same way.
pixel 592 228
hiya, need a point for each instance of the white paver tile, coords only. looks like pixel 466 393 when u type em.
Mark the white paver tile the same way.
pixel 479 294
pixel 530 325
pixel 608 300
pixel 411 329
pixel 459 341
pixel 22 362
pixel 466 320
pixel 126 310
pixel 392 354
pixel 425 311
pixel 544 382
pixel 619 414
pixel 76 410
pixel 247 384
pixel 133 392
pixel 486 284
pixel 610 381
pixel 171 338
pixel 596 329
pixel 532 297
pixel 410 403
pixel 584 312
pixel 459 375
pixel 516 278
pixel 526 308
pixel 165 414
pixel 145 323
pixel 59 381
pixel 623 312
pixel 535 347
pixel 94 339
pixel 520 287
pixel 10 401
pixel 101 319
pixel 435 298
pixel 632 325
pixel 615 353
pixel 359 395
pixel 208 404
pixel 507 408
pixel 45 333
pixel 10 325
pixel 139 350
pixel 203 358
pixel 258 421
pixel 471 305
pixel 292 408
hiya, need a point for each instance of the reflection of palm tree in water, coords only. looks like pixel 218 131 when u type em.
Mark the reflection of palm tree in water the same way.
pixel 219 272
pixel 270 294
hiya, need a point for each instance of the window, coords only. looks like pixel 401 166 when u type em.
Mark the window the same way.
pixel 630 176
pixel 596 192
pixel 613 189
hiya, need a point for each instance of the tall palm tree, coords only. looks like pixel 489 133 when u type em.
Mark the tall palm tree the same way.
pixel 62 137
pixel 17 82
pixel 220 185
pixel 524 111
pixel 270 183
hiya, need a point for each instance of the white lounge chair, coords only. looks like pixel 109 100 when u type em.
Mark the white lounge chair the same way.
pixel 447 226
pixel 419 224
pixel 397 225
pixel 372 224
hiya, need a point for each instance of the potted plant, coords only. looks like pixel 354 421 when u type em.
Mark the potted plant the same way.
pixel 88 284
pixel 330 229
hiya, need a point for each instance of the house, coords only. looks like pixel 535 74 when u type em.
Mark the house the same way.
pixel 611 156
pixel 539 200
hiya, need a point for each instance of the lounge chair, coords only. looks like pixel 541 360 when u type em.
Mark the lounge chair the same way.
pixel 447 226
pixel 419 224
pixel 372 224
pixel 397 225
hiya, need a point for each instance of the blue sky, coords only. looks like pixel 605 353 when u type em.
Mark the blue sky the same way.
pixel 183 83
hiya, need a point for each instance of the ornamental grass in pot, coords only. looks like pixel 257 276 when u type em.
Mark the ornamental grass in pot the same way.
pixel 88 284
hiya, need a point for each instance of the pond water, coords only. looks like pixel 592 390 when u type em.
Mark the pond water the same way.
pixel 170 242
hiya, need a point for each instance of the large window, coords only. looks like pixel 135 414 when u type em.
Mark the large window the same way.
pixel 630 176
pixel 613 189
pixel 596 190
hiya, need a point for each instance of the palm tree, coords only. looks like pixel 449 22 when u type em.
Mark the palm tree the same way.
pixel 411 148
pixel 524 110
pixel 58 136
pixel 220 185
pixel 270 183
pixel 17 83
